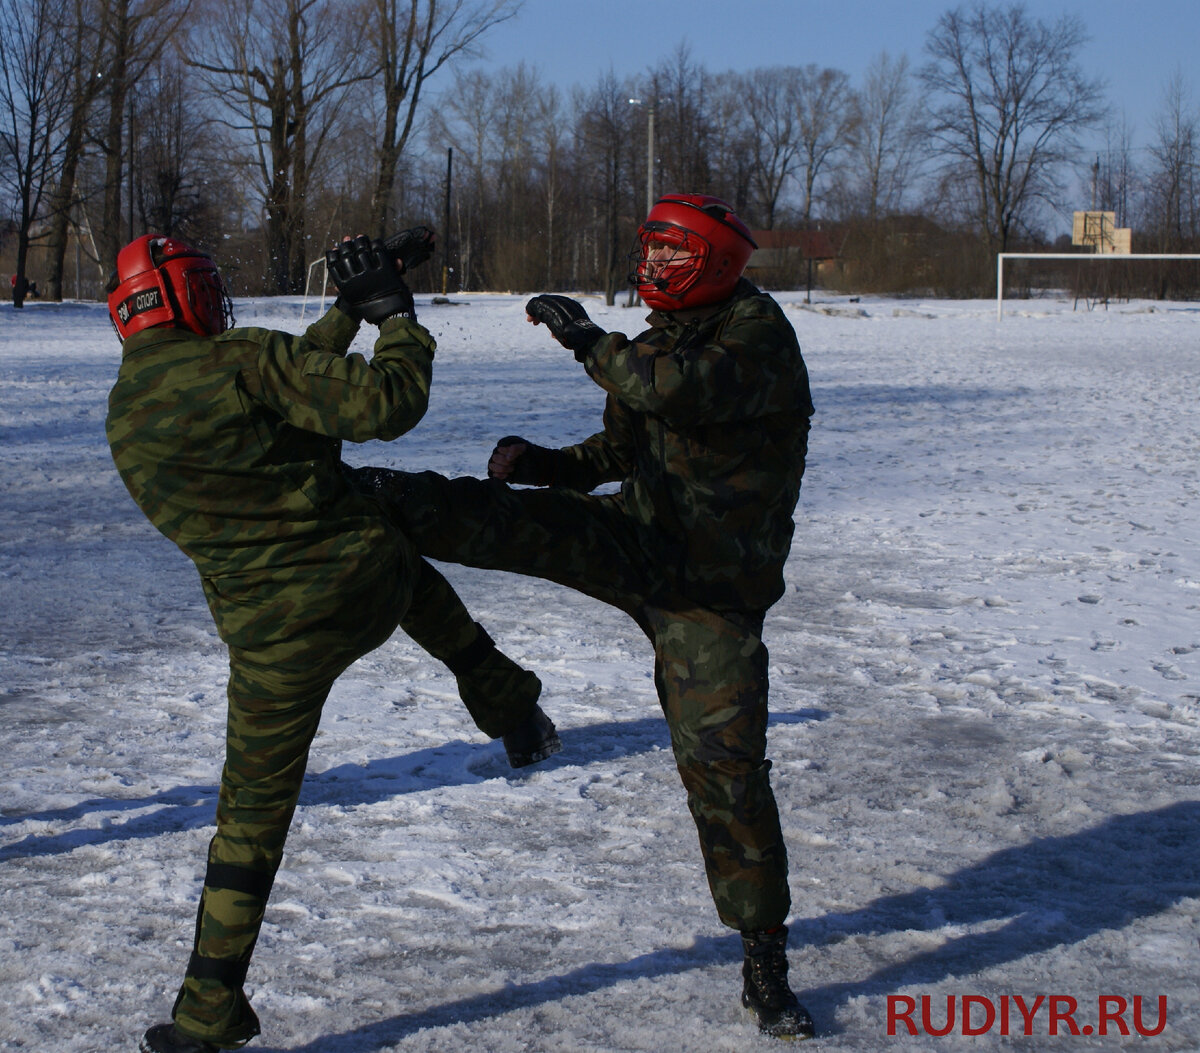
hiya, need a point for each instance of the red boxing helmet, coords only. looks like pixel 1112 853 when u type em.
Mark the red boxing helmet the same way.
pixel 164 281
pixel 691 252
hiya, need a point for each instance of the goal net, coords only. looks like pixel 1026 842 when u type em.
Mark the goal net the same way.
pixel 1088 273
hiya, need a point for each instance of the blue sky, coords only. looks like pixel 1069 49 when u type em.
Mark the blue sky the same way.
pixel 1136 46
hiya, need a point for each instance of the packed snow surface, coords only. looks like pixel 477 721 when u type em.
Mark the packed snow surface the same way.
pixel 985 706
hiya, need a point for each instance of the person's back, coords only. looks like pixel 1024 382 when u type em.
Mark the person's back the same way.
pixel 255 502
pixel 220 474
pixel 229 441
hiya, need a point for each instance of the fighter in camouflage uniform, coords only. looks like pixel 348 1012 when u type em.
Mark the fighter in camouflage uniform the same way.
pixel 705 426
pixel 229 441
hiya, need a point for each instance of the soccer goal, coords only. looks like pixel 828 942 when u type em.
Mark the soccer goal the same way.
pixel 320 262
pixel 1084 259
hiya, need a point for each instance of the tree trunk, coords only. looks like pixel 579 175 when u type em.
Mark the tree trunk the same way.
pixel 389 160
pixel 611 269
pixel 84 67
pixel 110 239
pixel 61 201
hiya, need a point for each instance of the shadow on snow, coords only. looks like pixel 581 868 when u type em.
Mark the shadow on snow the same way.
pixel 1054 892
pixel 456 763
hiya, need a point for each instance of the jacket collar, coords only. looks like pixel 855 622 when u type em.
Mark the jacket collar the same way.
pixel 669 319
pixel 158 334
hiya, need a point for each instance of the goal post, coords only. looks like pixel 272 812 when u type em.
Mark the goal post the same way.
pixel 1084 257
pixel 320 262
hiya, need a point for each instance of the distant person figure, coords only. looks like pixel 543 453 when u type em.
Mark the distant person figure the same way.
pixel 20 290
pixel 705 427
pixel 229 440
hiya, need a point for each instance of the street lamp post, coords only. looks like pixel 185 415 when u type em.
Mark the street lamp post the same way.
pixel 649 150
pixel 634 296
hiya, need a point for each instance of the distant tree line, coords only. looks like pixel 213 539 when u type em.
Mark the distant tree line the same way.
pixel 251 128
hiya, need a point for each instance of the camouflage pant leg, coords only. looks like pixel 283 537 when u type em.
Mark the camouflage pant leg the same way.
pixel 710 668
pixel 276 694
pixel 271 724
pixel 711 677
pixel 578 540
pixel 498 693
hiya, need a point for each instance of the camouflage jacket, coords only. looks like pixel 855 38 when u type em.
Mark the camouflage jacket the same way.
pixel 706 426
pixel 231 447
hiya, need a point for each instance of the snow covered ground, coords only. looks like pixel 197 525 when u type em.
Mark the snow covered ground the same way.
pixel 985 694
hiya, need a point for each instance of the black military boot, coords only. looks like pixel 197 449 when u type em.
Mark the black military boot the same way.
pixel 533 741
pixel 165 1038
pixel 765 991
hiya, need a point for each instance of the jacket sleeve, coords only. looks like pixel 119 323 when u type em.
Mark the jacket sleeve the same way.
pixel 742 367
pixel 315 385
pixel 605 457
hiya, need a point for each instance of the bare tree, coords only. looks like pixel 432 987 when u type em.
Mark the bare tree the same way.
pixel 413 40
pixel 885 150
pixel 603 122
pixel 771 97
pixel 177 150
pixel 731 142
pixel 498 123
pixel 1114 174
pixel 34 104
pixel 134 34
pixel 280 70
pixel 81 57
pixel 1009 100
pixel 678 91
pixel 463 121
pixel 552 140
pixel 513 122
pixel 1173 180
pixel 826 123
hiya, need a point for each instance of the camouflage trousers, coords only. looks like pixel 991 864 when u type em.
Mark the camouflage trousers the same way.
pixel 710 667
pixel 275 697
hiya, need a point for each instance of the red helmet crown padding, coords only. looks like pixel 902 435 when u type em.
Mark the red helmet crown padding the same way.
pixel 711 249
pixel 164 281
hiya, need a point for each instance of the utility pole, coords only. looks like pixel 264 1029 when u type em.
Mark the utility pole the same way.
pixel 131 166
pixel 649 150
pixel 633 295
pixel 446 223
pixel 650 158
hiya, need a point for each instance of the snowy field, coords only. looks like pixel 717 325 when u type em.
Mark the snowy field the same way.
pixel 985 695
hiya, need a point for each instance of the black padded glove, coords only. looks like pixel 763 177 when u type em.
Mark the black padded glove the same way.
pixel 567 321
pixel 345 308
pixel 368 281
pixel 537 465
pixel 411 247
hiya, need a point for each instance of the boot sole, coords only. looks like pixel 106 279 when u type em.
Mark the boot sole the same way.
pixel 765 1029
pixel 525 759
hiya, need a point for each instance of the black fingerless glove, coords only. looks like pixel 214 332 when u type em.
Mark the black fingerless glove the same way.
pixel 537 465
pixel 368 282
pixel 567 321
pixel 411 247
pixel 345 308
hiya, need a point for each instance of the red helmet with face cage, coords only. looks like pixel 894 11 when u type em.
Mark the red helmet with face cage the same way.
pixel 691 252
pixel 165 281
